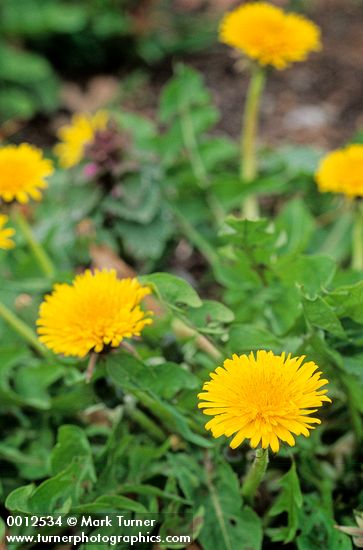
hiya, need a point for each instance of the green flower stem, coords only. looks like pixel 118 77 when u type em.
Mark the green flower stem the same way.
pixel 40 254
pixel 191 145
pixel 248 166
pixel 146 423
pixel 22 329
pixel 159 410
pixel 357 239
pixel 198 167
pixel 182 330
pixel 195 237
pixel 255 475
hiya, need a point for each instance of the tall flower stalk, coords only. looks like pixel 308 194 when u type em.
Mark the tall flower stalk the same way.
pixel 23 330
pixel 45 263
pixel 248 158
pixel 357 238
pixel 269 37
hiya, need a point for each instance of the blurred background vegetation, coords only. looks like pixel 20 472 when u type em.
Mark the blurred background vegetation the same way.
pixel 60 56
pixel 43 40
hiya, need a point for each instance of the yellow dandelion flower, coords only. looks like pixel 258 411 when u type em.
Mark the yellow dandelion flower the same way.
pixel 74 137
pixel 341 171
pixel 269 35
pixel 22 172
pixel 265 398
pixel 6 234
pixel 97 309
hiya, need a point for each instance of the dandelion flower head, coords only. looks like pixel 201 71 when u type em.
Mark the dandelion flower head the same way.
pixel 96 310
pixel 341 171
pixel 264 398
pixel 75 137
pixel 23 173
pixel 268 35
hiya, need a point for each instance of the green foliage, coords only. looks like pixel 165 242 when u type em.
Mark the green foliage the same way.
pixel 290 501
pixel 175 292
pixel 226 519
pixel 129 437
pixel 28 84
pixel 61 34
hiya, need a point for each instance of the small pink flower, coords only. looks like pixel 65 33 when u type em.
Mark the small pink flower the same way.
pixel 90 170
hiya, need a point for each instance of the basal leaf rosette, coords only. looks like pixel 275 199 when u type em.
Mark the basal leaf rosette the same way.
pixel 341 171
pixel 76 136
pixel 265 398
pixel 95 311
pixel 6 233
pixel 23 173
pixel 268 35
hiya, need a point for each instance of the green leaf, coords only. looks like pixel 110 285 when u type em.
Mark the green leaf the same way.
pixel 140 201
pixel 74 471
pixel 66 486
pixel 312 273
pixel 149 490
pixel 337 243
pixel 317 526
pixel 11 357
pixel 131 374
pixel 217 150
pixel 234 526
pixel 283 309
pixel 321 315
pixel 145 241
pixel 255 237
pixel 71 442
pixel 290 501
pixel 295 225
pixel 353 391
pixel 22 67
pixel 246 338
pixel 78 398
pixel 32 383
pixel 142 129
pixel 16 103
pixel 298 160
pixel 51 495
pixel 29 18
pixel 184 89
pixel 187 472
pixel 168 379
pixel 247 254
pixel 172 290
pixel 17 501
pixel 210 316
pixel 107 504
pixel 348 301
